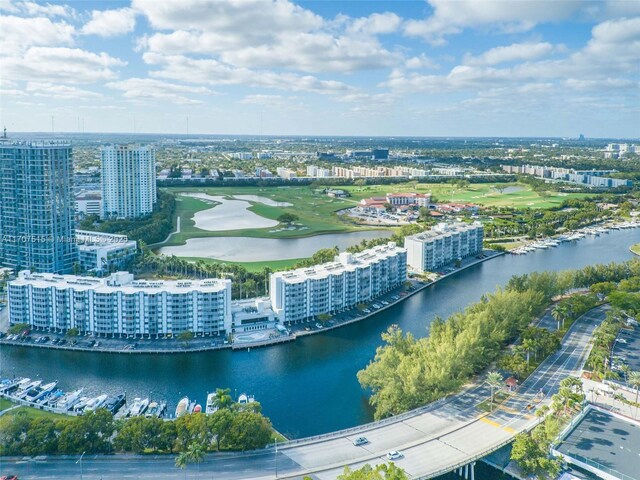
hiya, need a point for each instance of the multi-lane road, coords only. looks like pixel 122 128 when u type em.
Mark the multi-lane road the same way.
pixel 432 440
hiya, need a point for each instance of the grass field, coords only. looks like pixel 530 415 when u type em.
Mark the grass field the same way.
pixel 636 248
pixel 31 413
pixel 316 212
pixel 253 266
pixel 479 193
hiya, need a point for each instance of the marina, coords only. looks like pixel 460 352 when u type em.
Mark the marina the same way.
pixel 313 370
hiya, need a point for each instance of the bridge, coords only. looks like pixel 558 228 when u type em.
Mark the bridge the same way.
pixel 442 437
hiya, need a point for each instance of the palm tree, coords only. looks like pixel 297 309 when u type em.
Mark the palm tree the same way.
pixel 634 382
pixel 528 344
pixel 223 398
pixel 494 380
pixel 195 452
pixel 559 314
pixel 182 461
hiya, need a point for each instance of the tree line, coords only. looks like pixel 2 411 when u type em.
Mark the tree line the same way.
pixel 231 427
pixel 408 372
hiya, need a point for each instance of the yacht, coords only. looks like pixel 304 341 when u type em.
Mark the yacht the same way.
pixel 182 407
pixel 113 404
pixel 138 407
pixel 37 393
pixel 243 399
pixel 81 403
pixel 211 406
pixel 95 403
pixel 28 388
pixel 69 400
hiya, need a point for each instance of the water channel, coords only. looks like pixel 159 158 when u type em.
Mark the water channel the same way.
pixel 308 386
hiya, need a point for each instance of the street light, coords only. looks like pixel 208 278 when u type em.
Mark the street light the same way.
pixel 80 462
pixel 275 441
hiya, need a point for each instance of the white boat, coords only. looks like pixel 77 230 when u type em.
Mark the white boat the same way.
pixel 80 404
pixel 69 400
pixel 243 399
pixel 182 407
pixel 211 406
pixel 138 406
pixel 95 403
pixel 30 386
pixel 37 393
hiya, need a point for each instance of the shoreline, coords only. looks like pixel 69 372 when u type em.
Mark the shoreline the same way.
pixel 206 346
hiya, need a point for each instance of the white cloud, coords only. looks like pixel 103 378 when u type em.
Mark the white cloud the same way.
pixel 48 10
pixel 510 53
pixel 268 34
pixel 151 89
pixel 420 62
pixel 450 17
pixel 58 64
pixel 18 34
pixel 375 24
pixel 110 23
pixel 54 90
pixel 213 72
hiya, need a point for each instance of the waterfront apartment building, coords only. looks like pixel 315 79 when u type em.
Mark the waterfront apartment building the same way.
pixel 444 243
pixel 588 178
pixel 119 305
pixel 37 207
pixel 302 294
pixel 128 181
pixel 100 252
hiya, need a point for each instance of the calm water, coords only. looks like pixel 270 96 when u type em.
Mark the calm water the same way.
pixel 248 249
pixel 308 386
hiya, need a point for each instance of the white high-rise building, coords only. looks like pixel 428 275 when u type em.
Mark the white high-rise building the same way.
pixel 444 243
pixel 128 181
pixel 302 294
pixel 120 305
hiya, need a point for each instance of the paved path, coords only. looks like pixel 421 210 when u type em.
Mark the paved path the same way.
pixel 434 439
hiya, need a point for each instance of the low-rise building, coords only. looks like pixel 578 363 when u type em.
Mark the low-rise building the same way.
pixel 119 305
pixel 104 252
pixel 444 243
pixel 252 314
pixel 418 199
pixel 302 294
pixel 89 203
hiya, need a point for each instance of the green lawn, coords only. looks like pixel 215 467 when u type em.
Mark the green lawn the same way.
pixel 479 193
pixel 636 248
pixel 315 210
pixel 253 266
pixel 31 413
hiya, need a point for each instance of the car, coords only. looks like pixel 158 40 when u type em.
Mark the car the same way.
pixel 318 326
pixel 366 310
pixel 394 455
pixel 360 441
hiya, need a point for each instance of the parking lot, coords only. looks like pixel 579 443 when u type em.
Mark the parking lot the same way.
pixel 607 442
pixel 626 350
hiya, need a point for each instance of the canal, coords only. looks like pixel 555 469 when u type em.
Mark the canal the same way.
pixel 308 386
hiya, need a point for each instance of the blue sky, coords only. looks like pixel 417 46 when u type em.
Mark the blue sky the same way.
pixel 413 68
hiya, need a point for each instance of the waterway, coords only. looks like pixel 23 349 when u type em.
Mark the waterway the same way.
pixel 249 249
pixel 308 386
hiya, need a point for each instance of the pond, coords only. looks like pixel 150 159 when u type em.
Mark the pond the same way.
pixel 248 249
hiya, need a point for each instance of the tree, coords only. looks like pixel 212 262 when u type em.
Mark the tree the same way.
pixel 379 472
pixel 223 398
pixel 195 453
pixel 634 382
pixel 494 380
pixel 185 336
pixel 219 424
pixel 288 218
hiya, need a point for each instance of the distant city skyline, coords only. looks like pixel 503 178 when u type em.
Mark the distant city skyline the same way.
pixel 469 68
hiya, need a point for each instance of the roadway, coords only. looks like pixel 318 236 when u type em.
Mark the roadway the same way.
pixel 433 440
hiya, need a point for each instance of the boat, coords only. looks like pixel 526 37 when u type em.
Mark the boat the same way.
pixel 80 404
pixel 244 399
pixel 197 408
pixel 52 398
pixel 114 403
pixel 138 406
pixel 30 386
pixel 211 406
pixel 191 406
pixel 182 407
pixel 152 410
pixel 11 385
pixel 67 401
pixel 37 393
pixel 95 403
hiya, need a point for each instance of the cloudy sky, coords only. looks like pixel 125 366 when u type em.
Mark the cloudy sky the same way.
pixel 427 68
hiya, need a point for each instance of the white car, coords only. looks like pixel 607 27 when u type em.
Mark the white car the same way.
pixel 394 455
pixel 360 441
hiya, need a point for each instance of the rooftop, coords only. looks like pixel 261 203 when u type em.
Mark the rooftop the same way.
pixel 611 442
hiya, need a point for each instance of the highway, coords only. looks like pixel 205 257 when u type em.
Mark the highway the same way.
pixel 433 440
